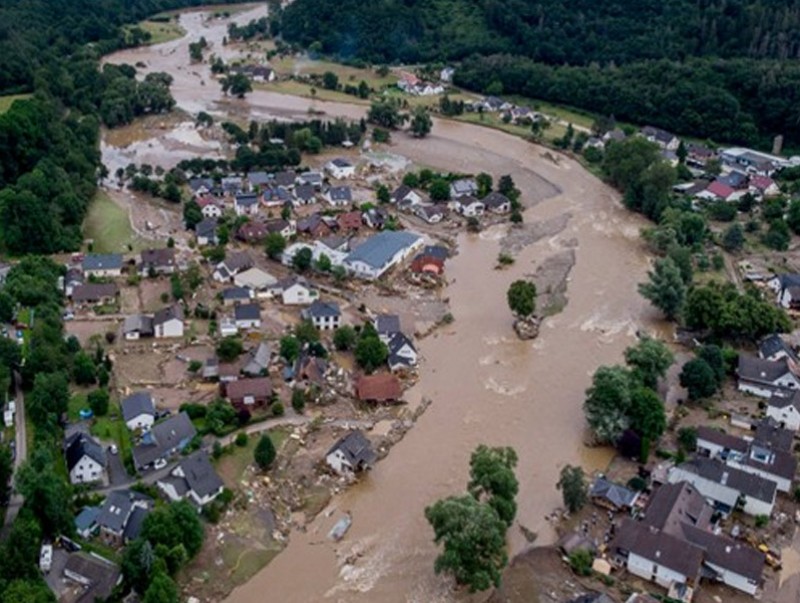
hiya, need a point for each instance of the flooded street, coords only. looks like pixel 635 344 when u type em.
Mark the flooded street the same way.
pixel 486 385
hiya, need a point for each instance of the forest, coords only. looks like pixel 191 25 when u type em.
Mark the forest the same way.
pixel 710 68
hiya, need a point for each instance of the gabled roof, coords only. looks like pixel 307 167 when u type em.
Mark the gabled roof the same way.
pixel 435 251
pixel 400 193
pixel 773 345
pixel 258 359
pixel 82 444
pixel 135 522
pixel 259 387
pixel 784 399
pixel 87 518
pixel 379 249
pixel 617 495
pixel 206 228
pixel 158 257
pixel 236 262
pixel 655 545
pixel 173 312
pixel 755 369
pixel 398 342
pixel 726 553
pixel 387 324
pixel 356 448
pixel 246 199
pixel 321 309
pixel 200 475
pixel 138 323
pixel 247 312
pixel 657 133
pixel 774 436
pixel 101 574
pixel 235 293
pixel 719 438
pixel 674 505
pixel 258 178
pixel 102 261
pixel 340 193
pixel 494 200
pixel 115 510
pixel 285 178
pixel 162 438
pixel 381 387
pixel 139 403
pixel 720 189
pixel 747 483
pixel 304 191
pixel 341 162
pixel 94 291
pixel 465 186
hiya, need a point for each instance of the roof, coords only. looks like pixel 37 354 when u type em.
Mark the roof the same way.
pixel 660 547
pixel 378 250
pixel 82 444
pixel 340 193
pixel 617 495
pixel 101 574
pixel 720 189
pixel 234 293
pixel 163 438
pixel 761 182
pixel 138 323
pixel 258 359
pixel 86 518
pixel 115 510
pixel 256 278
pixel 206 228
pixel 401 192
pixel 398 341
pixel 774 462
pixel 139 403
pixel 321 309
pixel 94 291
pixel 235 262
pixel 356 448
pixel 158 257
pixel 285 178
pixel 200 475
pixel 340 162
pixel 258 178
pixel 304 191
pixel 495 199
pixel 102 261
pixel 727 553
pixel 277 225
pixel 387 324
pixel 756 369
pixel 720 438
pixel 773 435
pixel 173 312
pixel 350 219
pixel 674 505
pixel 252 231
pixel 784 399
pixel 592 598
pixel 135 522
pixel 774 345
pixel 658 134
pixel 747 483
pixel 333 242
pixel 247 312
pixel 246 199
pixel 435 251
pixel 310 177
pixel 259 387
pixel 464 186
pixel 382 387
pixel 197 183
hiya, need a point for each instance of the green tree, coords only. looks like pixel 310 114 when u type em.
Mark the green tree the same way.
pixel 302 260
pixel 289 348
pixel 324 263
pixel 20 549
pixel 699 379
pixel 98 400
pixel 48 399
pixel 298 400
pixel 421 122
pixel 138 559
pixel 344 338
pixel 27 591
pixel 386 113
pixel 382 194
pixel 713 355
pixel 229 349
pixel 274 245
pixel 647 417
pixel 370 353
pixel 580 560
pixel 484 182
pixel 649 360
pixel 45 491
pixel 237 84
pixel 6 471
pixel 306 332
pixel 492 480
pixel 521 297
pixel 473 536
pixel 265 453
pixel 733 238
pixel 192 214
pixel 607 403
pixel 665 288
pixel 173 525
pixel 162 589
pixel 439 190
pixel 793 216
pixel 777 236
pixel 84 371
pixel 330 81
pixel 176 287
pixel 572 483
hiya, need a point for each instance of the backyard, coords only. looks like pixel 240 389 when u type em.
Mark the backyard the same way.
pixel 109 226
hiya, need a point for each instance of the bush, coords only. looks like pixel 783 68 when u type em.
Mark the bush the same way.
pixel 581 561
pixel 277 409
pixel 762 521
pixel 98 401
pixel 195 366
pixel 195 411
pixel 241 439
pixel 265 453
pixel 298 400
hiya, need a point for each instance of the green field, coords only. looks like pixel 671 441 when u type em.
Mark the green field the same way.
pixel 7 101
pixel 109 226
pixel 161 32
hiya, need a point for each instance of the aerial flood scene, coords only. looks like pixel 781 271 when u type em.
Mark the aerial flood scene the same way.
pixel 413 302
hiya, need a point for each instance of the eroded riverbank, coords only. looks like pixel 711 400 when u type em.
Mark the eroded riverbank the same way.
pixel 486 385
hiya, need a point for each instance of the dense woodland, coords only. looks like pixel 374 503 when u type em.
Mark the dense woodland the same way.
pixel 704 67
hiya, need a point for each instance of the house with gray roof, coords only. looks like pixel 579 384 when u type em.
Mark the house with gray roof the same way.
pixel 258 360
pixel 784 407
pixel 339 196
pixel 763 377
pixel 246 204
pixel 463 188
pixel 325 316
pixel 139 411
pixel 96 576
pixel 402 353
pixel 313 179
pixel 163 440
pixel 258 179
pixel 233 264
pixel 168 322
pixel 351 454
pixel 232 296
pixel 286 178
pixel 614 497
pixel 157 261
pixel 86 522
pixel 497 203
pixel 774 348
pixel 86 459
pixel 247 316
pixel 386 325
pixel 304 194
pixel 137 326
pixel 115 513
pixel 102 264
pixel 193 479
pixel 95 293
pixel 205 232
pixel 381 252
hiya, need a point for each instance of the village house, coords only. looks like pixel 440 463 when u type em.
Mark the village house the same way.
pixel 248 393
pixel 325 316
pixel 375 218
pixel 232 296
pixel 467 206
pixel 227 326
pixel 73 278
pixel 381 252
pixel 774 348
pixel 205 232
pixel 313 226
pixel 466 187
pixel 86 522
pixel 402 353
pixel 157 261
pixel 697 155
pixel 86 459
pixel 192 479
pixel 727 488
pixel 349 221
pixel 313 179
pixel 753 162
pixel 339 196
pixel 340 168
pixel 256 280
pixel 121 516
pixel 309 369
pixel 717 191
pixel 763 377
pixel 246 204
pixel 425 263
pixel 615 135
pixel 611 496
pixel 405 193
pixel 201 186
pixel 252 232
pixel 764 186
pixel 102 265
pixel 209 207
pixel 387 326
pixel 231 186
pixel 432 214
pixel 351 454
pixel 136 326
pixel 497 203
pixel 258 180
pixel 162 441
pixel 96 576
pixel 304 194
pixel 258 360
pixel 168 322
pixel 333 244
pixel 247 316
pixel 784 408
pixel 296 291
pixel 380 387
pixel 276 196
pixel 139 411
pixel 95 294
pixel 285 228
pixel 232 265
pixel 662 138
pixel 787 288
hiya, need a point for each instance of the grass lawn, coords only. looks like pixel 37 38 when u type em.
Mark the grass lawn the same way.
pixel 231 466
pixel 295 88
pixel 7 101
pixel 161 32
pixel 76 403
pixel 346 74
pixel 112 428
pixel 109 226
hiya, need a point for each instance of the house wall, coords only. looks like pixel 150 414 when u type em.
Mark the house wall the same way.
pixel 788 416
pixel 782 484
pixel 107 272
pixel 143 421
pixel 87 470
pixel 644 568
pixel 298 295
pixel 249 324
pixel 326 323
pixel 171 328
pixel 338 462
pixel 718 493
pixel 757 389
pixel 735 580
pixel 169 491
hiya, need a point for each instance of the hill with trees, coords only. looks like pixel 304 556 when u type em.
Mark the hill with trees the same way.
pixel 710 68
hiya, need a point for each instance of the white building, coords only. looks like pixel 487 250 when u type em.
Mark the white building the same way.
pixel 297 292
pixel 763 378
pixel 784 407
pixel 351 454
pixel 340 168
pixel 381 252
pixel 139 411
pixel 325 316
pixel 194 479
pixel 168 322
pixel 86 459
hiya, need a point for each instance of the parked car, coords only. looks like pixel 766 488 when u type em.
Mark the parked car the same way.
pixel 160 464
pixel 113 449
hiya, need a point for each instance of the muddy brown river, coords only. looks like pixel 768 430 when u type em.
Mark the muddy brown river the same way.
pixel 486 385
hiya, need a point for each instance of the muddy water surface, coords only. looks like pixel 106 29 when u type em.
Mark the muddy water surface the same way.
pixel 486 386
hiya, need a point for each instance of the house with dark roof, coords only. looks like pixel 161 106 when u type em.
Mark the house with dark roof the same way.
pixel 285 228
pixel 86 522
pixel 468 206
pixel 727 488
pixel 168 322
pixel 304 194
pixel 381 252
pixel 771 434
pixel 139 411
pixel 774 348
pixel 102 264
pixel 313 226
pixel 340 168
pixel 135 522
pixel 193 479
pixel 163 440
pixel 205 232
pixel 258 179
pixel 351 454
pixel 387 325
pixel 233 264
pixel 466 187
pixel 95 575
pixel 665 140
pixel 246 204
pixel 86 459
pixel 432 214
pixel 497 203
pixel 115 514
pixel 157 261
pixel 784 407
pixel 787 289
pixel 201 186
pixel 247 316
pixel 137 326
pixel 325 316
pixel 380 387
pixel 339 196
pixel 232 296
pixel 311 178
pixel 258 360
pixel 763 377
pixel 95 293
pixel 402 353
pixel 349 221
pixel 276 196
pixel 405 193
pixel 252 232
pixel 614 497
pixel 375 218
pixel 248 393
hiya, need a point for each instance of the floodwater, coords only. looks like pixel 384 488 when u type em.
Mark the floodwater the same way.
pixel 486 385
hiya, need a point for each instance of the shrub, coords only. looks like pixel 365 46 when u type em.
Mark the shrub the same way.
pixel 241 439
pixel 277 409
pixel 580 561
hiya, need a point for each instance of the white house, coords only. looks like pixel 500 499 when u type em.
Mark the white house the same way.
pixel 381 252
pixel 247 316
pixel 139 411
pixel 246 204
pixel 405 193
pixel 325 316
pixel 784 407
pixel 86 459
pixel 466 187
pixel 339 196
pixel 211 210
pixel 468 206
pixel 432 214
pixel 727 488
pixel 297 292
pixel 497 203
pixel 102 265
pixel 402 353
pixel 256 280
pixel 787 289
pixel 195 479
pixel 763 377
pixel 351 454
pixel 340 168
pixel 168 322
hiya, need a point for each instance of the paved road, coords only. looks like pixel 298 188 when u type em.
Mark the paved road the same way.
pixel 21 442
